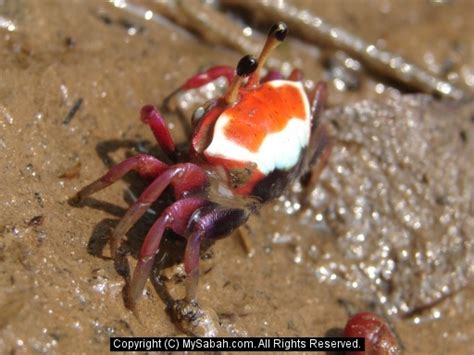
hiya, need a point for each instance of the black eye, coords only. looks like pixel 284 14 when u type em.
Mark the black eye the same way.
pixel 279 31
pixel 197 115
pixel 247 65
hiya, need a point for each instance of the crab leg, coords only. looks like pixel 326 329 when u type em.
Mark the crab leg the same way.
pixel 201 79
pixel 216 223
pixel 177 175
pixel 296 75
pixel 316 160
pixel 209 75
pixel 175 217
pixel 213 225
pixel 320 146
pixel 191 264
pixel 272 75
pixel 319 136
pixel 322 149
pixel 150 115
pixel 318 102
pixel 145 165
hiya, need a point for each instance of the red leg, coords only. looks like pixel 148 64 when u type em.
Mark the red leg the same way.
pixel 271 75
pixel 319 138
pixel 150 115
pixel 318 102
pixel 216 223
pixel 296 75
pixel 199 80
pixel 183 177
pixel 209 75
pixel 193 179
pixel 175 217
pixel 320 141
pixel 320 154
pixel 320 145
pixel 146 165
pixel 315 161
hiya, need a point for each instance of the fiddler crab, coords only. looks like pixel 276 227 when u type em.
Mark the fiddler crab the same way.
pixel 245 149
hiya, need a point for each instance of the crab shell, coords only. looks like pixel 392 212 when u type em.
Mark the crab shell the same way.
pixel 258 142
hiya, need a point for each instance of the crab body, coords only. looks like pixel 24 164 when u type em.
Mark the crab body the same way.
pixel 263 134
pixel 257 138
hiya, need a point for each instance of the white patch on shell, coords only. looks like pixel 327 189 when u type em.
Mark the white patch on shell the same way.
pixel 280 150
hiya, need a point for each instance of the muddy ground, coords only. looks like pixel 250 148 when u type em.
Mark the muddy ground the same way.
pixel 73 77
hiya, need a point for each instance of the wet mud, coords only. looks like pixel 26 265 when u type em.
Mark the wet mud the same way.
pixel 389 228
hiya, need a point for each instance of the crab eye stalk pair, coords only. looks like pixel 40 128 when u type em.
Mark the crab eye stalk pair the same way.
pixel 251 66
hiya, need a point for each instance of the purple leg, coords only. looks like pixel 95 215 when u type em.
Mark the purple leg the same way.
pixel 214 225
pixel 175 176
pixel 210 222
pixel 146 165
pixel 175 217
pixel 209 75
pixel 150 115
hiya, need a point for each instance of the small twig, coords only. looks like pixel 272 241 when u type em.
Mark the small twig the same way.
pixel 72 112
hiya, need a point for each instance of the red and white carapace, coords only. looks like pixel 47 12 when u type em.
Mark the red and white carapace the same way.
pixel 256 139
pixel 266 131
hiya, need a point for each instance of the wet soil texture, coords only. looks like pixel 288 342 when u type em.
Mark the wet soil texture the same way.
pixel 389 228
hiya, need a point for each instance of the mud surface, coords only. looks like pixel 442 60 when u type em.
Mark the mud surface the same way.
pixel 389 228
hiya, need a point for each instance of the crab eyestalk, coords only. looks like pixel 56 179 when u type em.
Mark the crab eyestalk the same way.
pixel 246 66
pixel 276 35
